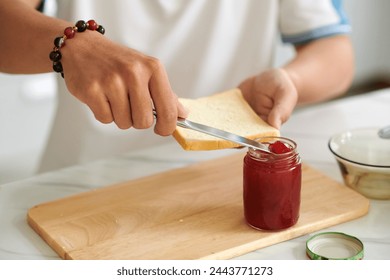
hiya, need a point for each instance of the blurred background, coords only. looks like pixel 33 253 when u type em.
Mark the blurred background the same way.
pixel 28 102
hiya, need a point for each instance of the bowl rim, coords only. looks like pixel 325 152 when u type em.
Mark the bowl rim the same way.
pixel 352 161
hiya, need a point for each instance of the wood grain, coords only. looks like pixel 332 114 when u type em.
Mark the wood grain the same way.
pixel 194 212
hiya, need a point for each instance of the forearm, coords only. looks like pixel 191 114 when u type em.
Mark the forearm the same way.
pixel 322 69
pixel 26 37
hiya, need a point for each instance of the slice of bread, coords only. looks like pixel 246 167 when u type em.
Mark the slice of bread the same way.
pixel 227 111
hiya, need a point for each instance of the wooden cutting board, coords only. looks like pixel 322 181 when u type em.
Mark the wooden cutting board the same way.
pixel 194 212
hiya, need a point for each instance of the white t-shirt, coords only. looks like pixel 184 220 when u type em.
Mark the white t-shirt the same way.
pixel 207 46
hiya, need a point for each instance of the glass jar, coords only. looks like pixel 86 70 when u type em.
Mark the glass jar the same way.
pixel 272 186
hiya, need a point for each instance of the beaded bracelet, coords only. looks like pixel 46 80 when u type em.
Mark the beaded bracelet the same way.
pixel 69 33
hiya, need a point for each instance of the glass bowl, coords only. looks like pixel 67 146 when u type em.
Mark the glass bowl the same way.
pixel 364 161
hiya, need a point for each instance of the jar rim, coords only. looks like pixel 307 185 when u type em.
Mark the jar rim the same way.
pixel 271 139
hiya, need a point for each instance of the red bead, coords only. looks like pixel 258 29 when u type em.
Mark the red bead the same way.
pixel 69 32
pixel 92 25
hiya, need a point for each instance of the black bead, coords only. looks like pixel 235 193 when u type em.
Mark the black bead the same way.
pixel 81 26
pixel 59 42
pixel 101 30
pixel 55 56
pixel 57 67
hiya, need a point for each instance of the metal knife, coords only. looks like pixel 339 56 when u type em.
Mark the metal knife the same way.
pixel 184 123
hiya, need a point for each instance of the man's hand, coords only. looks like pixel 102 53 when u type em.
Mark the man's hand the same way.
pixel 321 69
pixel 120 84
pixel 117 83
pixel 272 95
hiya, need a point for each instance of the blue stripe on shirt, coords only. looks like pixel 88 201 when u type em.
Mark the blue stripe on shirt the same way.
pixel 325 31
pixel 338 6
pixel 342 27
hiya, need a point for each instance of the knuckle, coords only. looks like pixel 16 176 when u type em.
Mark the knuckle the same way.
pixel 123 125
pixel 138 70
pixel 147 64
pixel 104 118
pixel 154 63
pixel 100 111
pixel 163 131
pixel 112 80
pixel 143 122
pixel 166 124
pixel 170 116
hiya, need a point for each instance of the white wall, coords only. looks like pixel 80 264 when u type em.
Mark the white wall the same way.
pixel 371 37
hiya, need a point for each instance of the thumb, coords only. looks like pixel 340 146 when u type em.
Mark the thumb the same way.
pixel 281 112
pixel 275 118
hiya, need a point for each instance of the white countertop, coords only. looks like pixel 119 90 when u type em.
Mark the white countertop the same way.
pixel 310 127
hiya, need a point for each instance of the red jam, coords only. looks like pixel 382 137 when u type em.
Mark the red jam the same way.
pixel 279 147
pixel 272 185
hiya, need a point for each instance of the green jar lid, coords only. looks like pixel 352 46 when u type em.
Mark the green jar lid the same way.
pixel 334 246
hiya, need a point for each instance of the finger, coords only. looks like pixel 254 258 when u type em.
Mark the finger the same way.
pixel 275 119
pixel 263 106
pixel 182 111
pixel 165 102
pixel 283 108
pixel 264 117
pixel 141 105
pixel 260 102
pixel 281 111
pixel 120 103
pixel 100 107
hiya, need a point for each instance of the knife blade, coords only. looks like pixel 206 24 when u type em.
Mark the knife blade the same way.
pixel 184 123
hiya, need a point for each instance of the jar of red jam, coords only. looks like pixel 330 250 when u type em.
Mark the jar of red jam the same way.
pixel 272 185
